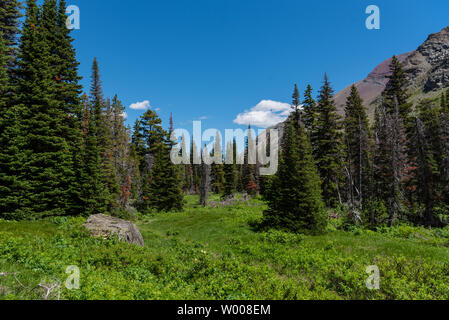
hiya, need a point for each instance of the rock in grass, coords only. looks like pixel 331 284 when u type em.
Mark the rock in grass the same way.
pixel 103 226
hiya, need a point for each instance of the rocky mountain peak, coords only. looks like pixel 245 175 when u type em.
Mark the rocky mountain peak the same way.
pixel 427 69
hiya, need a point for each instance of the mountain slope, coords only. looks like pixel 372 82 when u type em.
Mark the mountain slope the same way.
pixel 427 69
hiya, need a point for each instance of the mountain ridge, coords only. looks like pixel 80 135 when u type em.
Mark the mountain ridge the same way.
pixel 427 69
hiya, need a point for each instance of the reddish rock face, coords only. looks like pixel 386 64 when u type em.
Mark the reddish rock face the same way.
pixel 427 69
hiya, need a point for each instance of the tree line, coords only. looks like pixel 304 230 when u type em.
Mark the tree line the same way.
pixel 65 152
pixel 393 171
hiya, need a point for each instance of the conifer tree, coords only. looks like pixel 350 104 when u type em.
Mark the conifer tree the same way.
pixel 358 147
pixel 4 79
pixel 249 170
pixel 121 153
pixel 217 169
pixel 93 193
pixel 294 197
pixel 9 21
pixel 9 147
pixel 9 28
pixel 230 174
pixel 310 112
pixel 205 181
pixel 444 150
pixel 390 163
pixel 67 90
pixel 424 172
pixel 46 173
pixel 194 171
pixel 329 146
pixel 164 190
pixel 296 104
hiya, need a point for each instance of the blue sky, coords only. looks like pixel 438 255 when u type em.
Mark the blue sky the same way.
pixel 214 59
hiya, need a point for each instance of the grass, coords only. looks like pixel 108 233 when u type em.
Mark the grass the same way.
pixel 213 253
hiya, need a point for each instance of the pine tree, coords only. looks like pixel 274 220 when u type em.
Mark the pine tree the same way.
pixel 123 163
pixel 310 112
pixel 425 172
pixel 390 163
pixel 9 21
pixel 9 147
pixel 294 197
pixel 358 148
pixel 249 170
pixel 329 146
pixel 205 181
pixel 46 173
pixel 230 173
pixel 396 93
pixel 444 150
pixel 164 191
pixel 217 169
pixel 194 171
pixel 67 89
pixel 9 28
pixel 296 105
pixel 394 149
pixel 93 193
pixel 4 79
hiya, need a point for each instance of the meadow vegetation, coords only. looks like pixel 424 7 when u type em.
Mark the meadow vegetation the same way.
pixel 217 253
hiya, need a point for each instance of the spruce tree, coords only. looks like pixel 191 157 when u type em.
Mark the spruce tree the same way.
pixel 9 21
pixel 46 173
pixel 329 151
pixel 294 197
pixel 194 170
pixel 205 181
pixel 230 173
pixel 358 149
pixel 310 112
pixel 444 150
pixel 249 169
pixel 9 28
pixel 296 105
pixel 9 148
pixel 4 79
pixel 123 164
pixel 164 190
pixel 217 169
pixel 424 172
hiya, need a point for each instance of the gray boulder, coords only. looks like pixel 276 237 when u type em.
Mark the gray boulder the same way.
pixel 103 226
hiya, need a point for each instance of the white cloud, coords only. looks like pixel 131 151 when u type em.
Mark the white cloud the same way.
pixel 144 105
pixel 124 115
pixel 266 114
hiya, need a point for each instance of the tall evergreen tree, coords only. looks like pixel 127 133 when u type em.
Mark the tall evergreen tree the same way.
pixel 230 172
pixel 9 28
pixel 123 162
pixel 294 197
pixel 425 172
pixel 444 150
pixel 205 181
pixel 358 148
pixel 217 169
pixel 9 21
pixel 46 173
pixel 310 112
pixel 164 191
pixel 296 105
pixel 249 169
pixel 329 147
